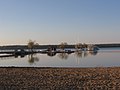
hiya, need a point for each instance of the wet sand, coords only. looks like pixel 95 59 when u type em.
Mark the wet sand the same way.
pixel 60 78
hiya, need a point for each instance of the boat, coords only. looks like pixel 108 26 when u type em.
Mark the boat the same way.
pixel 92 48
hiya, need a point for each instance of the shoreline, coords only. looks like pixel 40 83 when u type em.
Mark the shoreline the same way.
pixel 62 67
pixel 101 67
pixel 57 78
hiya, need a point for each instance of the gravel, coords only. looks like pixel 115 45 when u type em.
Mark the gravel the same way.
pixel 101 78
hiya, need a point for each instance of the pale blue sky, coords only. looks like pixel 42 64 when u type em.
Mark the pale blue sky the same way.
pixel 56 21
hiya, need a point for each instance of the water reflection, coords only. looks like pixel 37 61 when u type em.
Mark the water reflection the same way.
pixel 63 55
pixel 32 58
pixel 78 54
pixel 51 54
pixel 22 56
pixel 104 57
pixel 81 54
pixel 93 53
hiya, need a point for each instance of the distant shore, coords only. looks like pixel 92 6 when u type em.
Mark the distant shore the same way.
pixel 56 46
pixel 100 78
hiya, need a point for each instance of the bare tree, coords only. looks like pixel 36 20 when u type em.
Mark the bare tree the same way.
pixel 85 45
pixel 62 45
pixel 31 45
pixel 78 46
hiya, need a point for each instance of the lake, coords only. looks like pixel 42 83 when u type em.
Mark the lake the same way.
pixel 105 57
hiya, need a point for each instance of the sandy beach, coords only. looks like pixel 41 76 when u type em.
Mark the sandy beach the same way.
pixel 60 78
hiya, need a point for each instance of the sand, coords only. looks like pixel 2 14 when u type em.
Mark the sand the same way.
pixel 60 78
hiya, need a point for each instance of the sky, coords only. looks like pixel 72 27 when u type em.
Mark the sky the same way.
pixel 56 21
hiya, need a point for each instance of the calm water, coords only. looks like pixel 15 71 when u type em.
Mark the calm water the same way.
pixel 106 57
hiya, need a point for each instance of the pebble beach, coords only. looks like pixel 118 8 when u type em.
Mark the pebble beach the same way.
pixel 100 78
